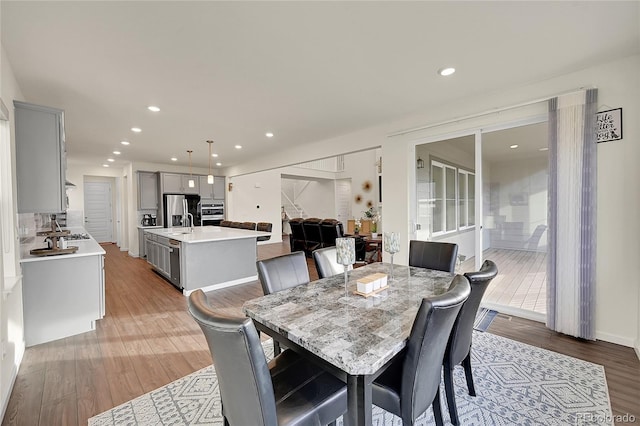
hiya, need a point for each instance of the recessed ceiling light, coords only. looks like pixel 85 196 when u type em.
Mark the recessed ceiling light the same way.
pixel 153 108
pixel 544 149
pixel 218 164
pixel 124 143
pixel 269 134
pixel 105 165
pixel 116 152
pixel 214 155
pixel 111 160
pixel 446 71
pixel 174 159
pixel 136 129
pixel 514 146
pixel 238 146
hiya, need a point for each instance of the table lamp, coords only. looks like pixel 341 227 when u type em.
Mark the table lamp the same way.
pixel 346 254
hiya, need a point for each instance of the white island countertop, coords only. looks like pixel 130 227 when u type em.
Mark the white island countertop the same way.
pixel 203 234
pixel 88 247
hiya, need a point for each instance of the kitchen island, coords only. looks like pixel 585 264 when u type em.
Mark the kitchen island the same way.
pixel 62 295
pixel 205 257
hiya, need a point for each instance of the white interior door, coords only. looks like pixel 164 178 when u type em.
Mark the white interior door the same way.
pixel 98 216
pixel 343 201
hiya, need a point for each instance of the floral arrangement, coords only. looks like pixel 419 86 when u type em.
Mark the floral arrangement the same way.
pixel 357 225
pixel 373 215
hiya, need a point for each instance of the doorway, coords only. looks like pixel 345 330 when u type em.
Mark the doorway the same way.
pixel 487 192
pixel 98 210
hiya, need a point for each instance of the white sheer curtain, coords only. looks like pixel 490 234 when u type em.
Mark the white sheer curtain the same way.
pixel 572 214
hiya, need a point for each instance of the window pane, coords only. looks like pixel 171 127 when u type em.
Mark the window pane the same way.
pixel 472 200
pixel 437 216
pixel 451 215
pixel 462 197
pixel 451 183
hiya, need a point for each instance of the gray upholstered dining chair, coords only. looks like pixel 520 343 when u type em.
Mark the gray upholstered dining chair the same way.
pixel 280 273
pixel 433 255
pixel 287 391
pixel 459 346
pixel 326 263
pixel 412 381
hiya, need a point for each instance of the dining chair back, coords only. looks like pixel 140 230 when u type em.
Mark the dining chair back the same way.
pixel 459 345
pixel 264 227
pixel 283 272
pixel 280 273
pixel 412 382
pixel 326 262
pixel 433 255
pixel 287 391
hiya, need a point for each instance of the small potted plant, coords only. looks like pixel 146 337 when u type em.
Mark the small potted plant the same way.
pixel 372 215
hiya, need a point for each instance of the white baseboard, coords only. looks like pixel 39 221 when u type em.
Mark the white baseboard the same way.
pixel 222 285
pixel 612 338
pixel 14 376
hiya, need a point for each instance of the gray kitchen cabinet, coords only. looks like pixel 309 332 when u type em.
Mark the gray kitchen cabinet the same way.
pixel 141 243
pixel 40 159
pixel 212 192
pixel 219 188
pixel 147 191
pixel 159 253
pixel 178 183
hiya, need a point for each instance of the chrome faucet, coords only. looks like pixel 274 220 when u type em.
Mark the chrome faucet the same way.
pixel 190 221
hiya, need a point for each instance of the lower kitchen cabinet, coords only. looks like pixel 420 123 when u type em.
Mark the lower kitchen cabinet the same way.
pixel 62 296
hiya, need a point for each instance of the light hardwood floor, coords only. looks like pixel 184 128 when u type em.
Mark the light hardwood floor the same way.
pixel 147 339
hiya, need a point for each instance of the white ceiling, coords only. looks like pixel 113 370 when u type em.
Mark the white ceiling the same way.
pixel 307 71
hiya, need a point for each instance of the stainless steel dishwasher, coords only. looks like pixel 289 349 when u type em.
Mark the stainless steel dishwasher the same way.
pixel 174 261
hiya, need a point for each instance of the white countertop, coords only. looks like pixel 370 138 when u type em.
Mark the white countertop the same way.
pixel 88 247
pixel 202 234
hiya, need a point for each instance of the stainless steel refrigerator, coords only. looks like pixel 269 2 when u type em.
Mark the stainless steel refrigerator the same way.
pixel 174 210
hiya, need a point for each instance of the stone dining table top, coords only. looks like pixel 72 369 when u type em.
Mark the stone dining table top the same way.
pixel 356 334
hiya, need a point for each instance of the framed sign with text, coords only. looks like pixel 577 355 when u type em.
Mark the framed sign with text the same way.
pixel 609 125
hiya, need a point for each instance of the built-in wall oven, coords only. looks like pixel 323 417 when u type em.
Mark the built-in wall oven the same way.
pixel 211 212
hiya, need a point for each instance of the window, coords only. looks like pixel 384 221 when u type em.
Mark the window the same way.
pixel 453 195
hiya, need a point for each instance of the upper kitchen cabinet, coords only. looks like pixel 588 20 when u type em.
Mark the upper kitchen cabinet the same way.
pixel 40 159
pixel 213 192
pixel 147 191
pixel 174 183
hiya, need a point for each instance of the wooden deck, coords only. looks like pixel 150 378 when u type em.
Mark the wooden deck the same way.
pixel 521 282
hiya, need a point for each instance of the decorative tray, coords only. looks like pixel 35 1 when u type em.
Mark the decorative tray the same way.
pixel 53 252
pixel 373 293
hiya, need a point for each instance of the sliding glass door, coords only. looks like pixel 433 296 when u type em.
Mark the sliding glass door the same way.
pixel 487 192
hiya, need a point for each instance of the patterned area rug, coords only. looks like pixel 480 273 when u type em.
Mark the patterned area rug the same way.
pixel 517 384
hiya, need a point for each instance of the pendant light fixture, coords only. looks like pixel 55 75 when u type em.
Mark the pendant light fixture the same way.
pixel 210 175
pixel 192 183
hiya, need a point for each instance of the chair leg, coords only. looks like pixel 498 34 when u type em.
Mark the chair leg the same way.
pixel 466 363
pixel 437 409
pixel 451 395
pixel 276 348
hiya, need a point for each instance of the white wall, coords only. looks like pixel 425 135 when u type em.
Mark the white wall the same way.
pixel 317 198
pixel 617 296
pixel 11 319
pixel 256 198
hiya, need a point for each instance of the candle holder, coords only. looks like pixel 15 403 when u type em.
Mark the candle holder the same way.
pixel 346 255
pixel 391 246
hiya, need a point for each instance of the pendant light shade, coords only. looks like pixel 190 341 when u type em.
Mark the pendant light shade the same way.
pixel 192 183
pixel 210 175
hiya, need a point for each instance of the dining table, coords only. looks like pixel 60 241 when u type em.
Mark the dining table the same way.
pixel 352 336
